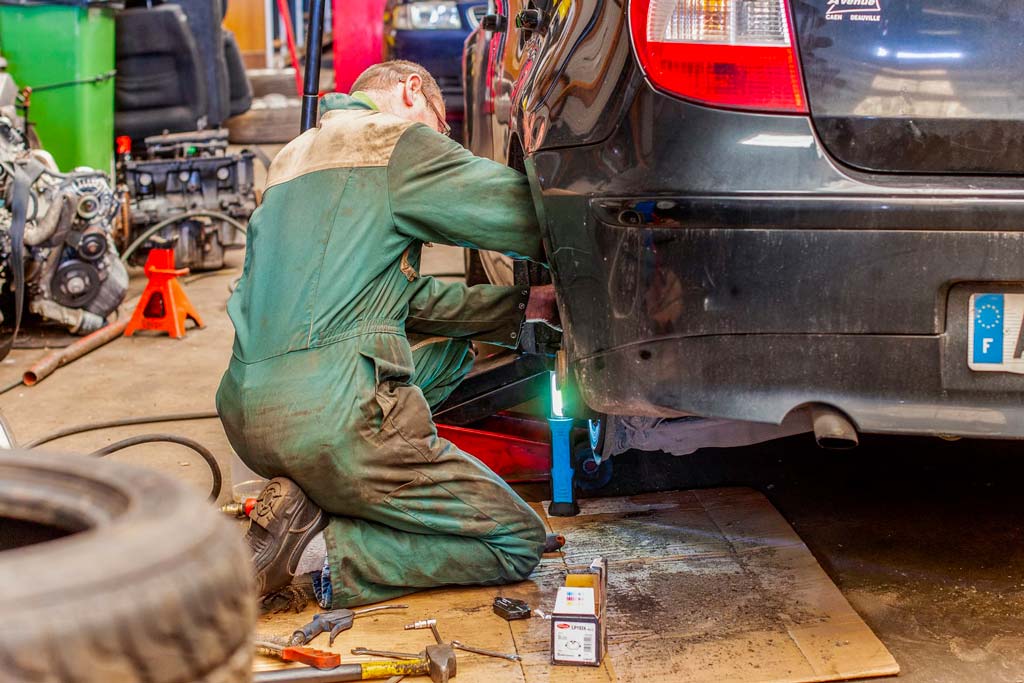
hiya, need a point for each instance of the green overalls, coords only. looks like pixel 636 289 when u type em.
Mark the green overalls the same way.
pixel 341 349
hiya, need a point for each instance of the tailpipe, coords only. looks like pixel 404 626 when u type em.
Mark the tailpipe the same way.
pixel 832 429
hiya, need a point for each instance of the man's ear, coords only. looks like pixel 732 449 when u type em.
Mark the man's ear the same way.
pixel 413 84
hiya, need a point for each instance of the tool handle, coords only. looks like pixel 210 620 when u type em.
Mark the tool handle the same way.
pixel 318 659
pixel 384 669
pixel 309 631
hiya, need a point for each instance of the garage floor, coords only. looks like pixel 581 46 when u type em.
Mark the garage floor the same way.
pixel 705 586
pixel 925 538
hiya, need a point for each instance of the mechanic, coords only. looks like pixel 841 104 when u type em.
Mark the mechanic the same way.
pixel 341 349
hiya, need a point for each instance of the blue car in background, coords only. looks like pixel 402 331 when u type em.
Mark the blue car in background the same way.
pixel 432 33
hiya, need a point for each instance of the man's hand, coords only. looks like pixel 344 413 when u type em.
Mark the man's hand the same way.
pixel 543 306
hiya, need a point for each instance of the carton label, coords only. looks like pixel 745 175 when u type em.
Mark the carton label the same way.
pixel 575 642
pixel 572 600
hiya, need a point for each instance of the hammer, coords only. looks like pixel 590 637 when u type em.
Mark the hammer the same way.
pixel 436 661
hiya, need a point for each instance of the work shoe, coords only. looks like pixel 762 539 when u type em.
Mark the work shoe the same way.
pixel 281 525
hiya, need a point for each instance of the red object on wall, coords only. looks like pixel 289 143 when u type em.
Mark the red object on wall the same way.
pixel 358 39
pixel 163 305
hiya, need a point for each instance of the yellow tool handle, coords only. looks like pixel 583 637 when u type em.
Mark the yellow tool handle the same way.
pixel 384 669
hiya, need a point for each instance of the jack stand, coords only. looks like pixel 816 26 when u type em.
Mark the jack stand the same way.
pixel 164 304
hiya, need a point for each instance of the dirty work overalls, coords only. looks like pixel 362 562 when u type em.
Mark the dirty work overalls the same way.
pixel 341 348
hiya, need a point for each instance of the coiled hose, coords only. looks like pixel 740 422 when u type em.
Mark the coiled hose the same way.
pixel 207 456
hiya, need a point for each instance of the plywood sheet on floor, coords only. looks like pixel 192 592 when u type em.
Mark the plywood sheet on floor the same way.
pixel 709 585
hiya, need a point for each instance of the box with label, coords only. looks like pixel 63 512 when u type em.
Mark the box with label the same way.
pixel 578 634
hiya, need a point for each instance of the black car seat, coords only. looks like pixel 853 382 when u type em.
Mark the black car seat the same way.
pixel 159 84
pixel 204 18
pixel 239 88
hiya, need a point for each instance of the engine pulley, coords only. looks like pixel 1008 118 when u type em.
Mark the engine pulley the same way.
pixel 75 283
pixel 93 245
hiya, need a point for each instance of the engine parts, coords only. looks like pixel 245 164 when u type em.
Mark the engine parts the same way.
pixel 57 237
pixel 185 172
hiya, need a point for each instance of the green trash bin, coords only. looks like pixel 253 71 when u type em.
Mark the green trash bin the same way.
pixel 65 53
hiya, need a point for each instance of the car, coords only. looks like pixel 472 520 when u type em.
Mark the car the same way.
pixel 757 209
pixel 432 33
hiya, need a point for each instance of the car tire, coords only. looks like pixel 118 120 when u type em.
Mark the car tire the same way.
pixel 592 473
pixel 270 120
pixel 112 573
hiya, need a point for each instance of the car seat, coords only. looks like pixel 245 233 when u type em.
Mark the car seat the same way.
pixel 204 19
pixel 160 84
pixel 239 88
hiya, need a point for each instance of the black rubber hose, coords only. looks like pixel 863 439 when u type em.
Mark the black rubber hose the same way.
pixel 199 448
pixel 123 422
pixel 157 227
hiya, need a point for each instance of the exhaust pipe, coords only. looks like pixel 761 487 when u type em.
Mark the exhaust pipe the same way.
pixel 832 429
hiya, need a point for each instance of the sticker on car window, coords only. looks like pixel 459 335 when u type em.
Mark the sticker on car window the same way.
pixel 854 10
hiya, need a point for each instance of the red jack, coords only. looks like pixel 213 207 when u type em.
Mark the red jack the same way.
pixel 164 304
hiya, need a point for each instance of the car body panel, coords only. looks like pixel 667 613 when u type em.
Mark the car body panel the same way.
pixel 725 264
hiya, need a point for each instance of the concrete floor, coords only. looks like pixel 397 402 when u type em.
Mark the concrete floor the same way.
pixel 924 537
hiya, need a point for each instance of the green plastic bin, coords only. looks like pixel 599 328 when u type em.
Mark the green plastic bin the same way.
pixel 65 52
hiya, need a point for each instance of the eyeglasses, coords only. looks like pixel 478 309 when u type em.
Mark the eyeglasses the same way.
pixel 445 128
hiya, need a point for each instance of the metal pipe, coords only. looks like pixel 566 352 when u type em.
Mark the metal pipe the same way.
pixel 314 46
pixel 286 21
pixel 60 357
pixel 268 33
pixel 345 672
pixel 832 429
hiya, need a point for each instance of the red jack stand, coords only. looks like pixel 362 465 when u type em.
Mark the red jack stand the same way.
pixel 164 304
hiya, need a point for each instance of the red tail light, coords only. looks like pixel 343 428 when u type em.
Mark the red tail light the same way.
pixel 738 54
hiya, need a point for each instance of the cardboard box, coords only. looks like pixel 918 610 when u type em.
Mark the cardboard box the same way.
pixel 578 633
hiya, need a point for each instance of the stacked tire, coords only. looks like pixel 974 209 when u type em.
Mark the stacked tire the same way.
pixel 111 573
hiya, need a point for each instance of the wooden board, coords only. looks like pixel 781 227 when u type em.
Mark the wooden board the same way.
pixel 708 585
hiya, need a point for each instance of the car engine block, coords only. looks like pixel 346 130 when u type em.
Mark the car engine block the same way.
pixel 72 272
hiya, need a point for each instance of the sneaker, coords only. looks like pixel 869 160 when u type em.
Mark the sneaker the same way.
pixel 281 525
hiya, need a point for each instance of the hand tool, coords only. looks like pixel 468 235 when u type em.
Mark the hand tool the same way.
pixel 335 622
pixel 488 653
pixel 426 623
pixel 511 609
pixel 383 653
pixel 432 625
pixel 436 661
pixel 318 659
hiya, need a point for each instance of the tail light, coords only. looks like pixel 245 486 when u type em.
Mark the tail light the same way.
pixel 738 54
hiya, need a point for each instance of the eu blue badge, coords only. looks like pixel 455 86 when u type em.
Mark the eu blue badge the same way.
pixel 988 328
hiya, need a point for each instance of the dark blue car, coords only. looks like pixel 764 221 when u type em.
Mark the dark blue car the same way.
pixel 432 33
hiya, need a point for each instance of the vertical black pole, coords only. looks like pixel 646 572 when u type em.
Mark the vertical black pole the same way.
pixel 314 45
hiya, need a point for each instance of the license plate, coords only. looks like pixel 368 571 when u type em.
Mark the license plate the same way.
pixel 995 340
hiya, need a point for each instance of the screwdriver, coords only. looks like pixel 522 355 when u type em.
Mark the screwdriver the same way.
pixel 318 659
pixel 335 622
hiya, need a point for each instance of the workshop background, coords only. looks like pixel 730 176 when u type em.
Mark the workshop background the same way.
pixel 134 143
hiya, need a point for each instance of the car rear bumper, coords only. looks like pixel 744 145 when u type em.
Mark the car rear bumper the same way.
pixel 721 264
pixel 666 313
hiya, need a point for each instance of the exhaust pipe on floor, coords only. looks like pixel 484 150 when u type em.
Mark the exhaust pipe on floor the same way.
pixel 832 429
